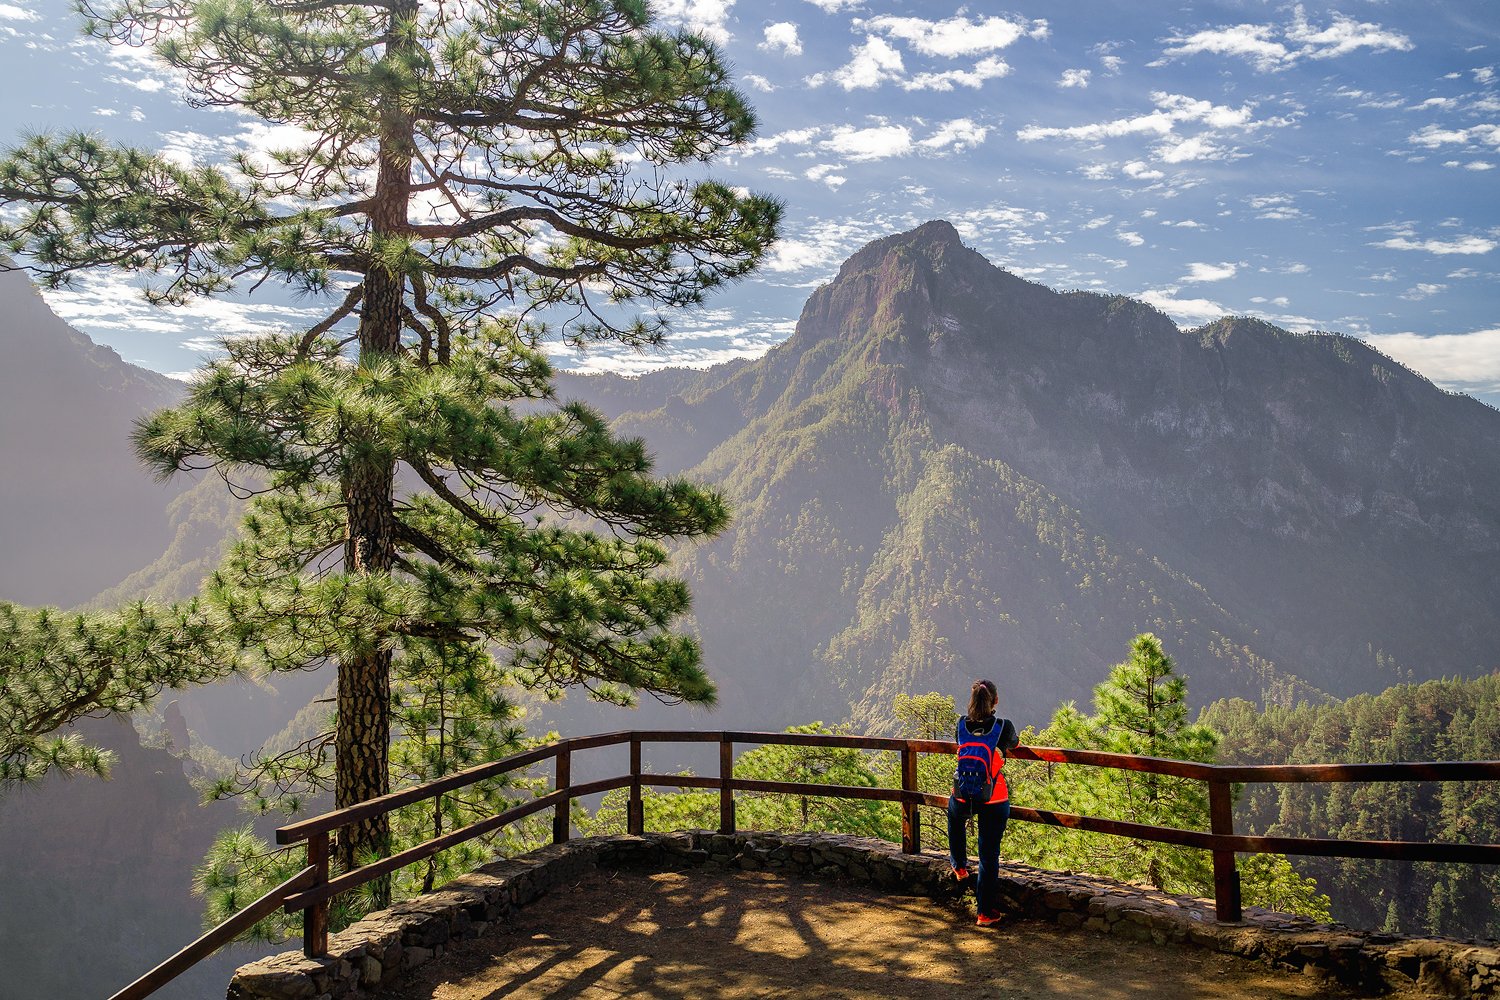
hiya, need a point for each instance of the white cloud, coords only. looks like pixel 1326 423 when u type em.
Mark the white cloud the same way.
pixel 1275 206
pixel 960 133
pixel 149 84
pixel 1434 136
pixel 1172 108
pixel 824 172
pixel 769 144
pixel 956 36
pixel 1479 165
pixel 1464 244
pixel 1125 236
pixel 1450 359
pixel 705 17
pixel 1102 220
pixel 759 83
pixel 1074 78
pixel 1097 171
pixel 1197 147
pixel 1435 103
pixel 1210 272
pixel 783 36
pixel 9 13
pixel 1300 40
pixel 874 62
pixel 865 144
pixel 1191 310
pixel 1111 64
pixel 1484 75
pixel 985 69
pixel 834 6
pixel 1139 170
pixel 1422 291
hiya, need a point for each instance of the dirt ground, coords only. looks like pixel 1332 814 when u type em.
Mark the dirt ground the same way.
pixel 734 935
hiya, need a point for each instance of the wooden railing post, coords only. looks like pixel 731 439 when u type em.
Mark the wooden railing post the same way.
pixel 315 917
pixel 911 830
pixel 636 815
pixel 726 786
pixel 1226 878
pixel 560 823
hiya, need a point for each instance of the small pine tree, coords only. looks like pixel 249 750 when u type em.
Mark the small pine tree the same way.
pixel 1142 710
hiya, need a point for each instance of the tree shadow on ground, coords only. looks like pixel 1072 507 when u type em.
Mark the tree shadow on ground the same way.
pixel 736 935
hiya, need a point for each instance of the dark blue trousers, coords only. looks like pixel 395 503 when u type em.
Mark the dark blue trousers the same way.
pixel 992 818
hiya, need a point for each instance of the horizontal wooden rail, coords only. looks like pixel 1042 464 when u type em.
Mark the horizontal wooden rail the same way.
pixel 369 872
pixel 311 890
pixel 215 939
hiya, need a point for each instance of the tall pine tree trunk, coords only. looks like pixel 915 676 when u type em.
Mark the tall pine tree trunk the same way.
pixel 364 691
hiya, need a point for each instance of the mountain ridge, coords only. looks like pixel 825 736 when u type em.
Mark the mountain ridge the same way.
pixel 1280 471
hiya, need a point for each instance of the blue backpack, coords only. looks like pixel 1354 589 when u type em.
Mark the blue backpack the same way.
pixel 972 781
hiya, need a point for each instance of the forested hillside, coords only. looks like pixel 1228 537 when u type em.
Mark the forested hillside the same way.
pixel 949 471
pixel 1438 720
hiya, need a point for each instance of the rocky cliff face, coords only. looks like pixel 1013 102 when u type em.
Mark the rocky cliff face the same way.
pixel 81 514
pixel 950 472
pixel 96 879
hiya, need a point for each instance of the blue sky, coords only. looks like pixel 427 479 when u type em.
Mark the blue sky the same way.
pixel 1325 167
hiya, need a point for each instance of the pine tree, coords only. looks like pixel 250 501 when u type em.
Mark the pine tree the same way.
pixel 1141 709
pixel 469 172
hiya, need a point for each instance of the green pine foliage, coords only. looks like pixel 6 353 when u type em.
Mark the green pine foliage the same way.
pixel 769 810
pixel 473 180
pixel 1451 719
pixel 56 668
pixel 1140 709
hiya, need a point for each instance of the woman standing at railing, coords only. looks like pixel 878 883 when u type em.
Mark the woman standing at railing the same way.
pixel 979 791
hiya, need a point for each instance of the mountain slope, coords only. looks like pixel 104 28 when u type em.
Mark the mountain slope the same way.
pixel 949 471
pixel 80 511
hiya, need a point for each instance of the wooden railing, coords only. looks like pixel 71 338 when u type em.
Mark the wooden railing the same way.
pixel 312 888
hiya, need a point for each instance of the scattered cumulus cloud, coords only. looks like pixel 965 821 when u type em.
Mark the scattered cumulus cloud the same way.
pixel 1171 111
pixel 1125 236
pixel 1464 244
pixel 1484 75
pixel 706 17
pixel 1299 40
pixel 986 69
pixel 877 60
pixel 874 62
pixel 10 13
pixel 1189 310
pixel 1074 78
pixel 783 36
pixel 760 83
pixel 1422 291
pixel 1452 360
pixel 1210 272
pixel 960 134
pixel 862 145
pixel 956 36
pixel 1141 172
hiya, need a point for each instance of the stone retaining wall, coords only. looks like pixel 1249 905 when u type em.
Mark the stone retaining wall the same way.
pixel 383 947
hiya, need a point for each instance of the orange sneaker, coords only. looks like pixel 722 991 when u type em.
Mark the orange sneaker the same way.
pixel 990 919
pixel 962 874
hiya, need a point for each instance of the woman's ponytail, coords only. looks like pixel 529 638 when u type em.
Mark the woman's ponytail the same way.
pixel 982 701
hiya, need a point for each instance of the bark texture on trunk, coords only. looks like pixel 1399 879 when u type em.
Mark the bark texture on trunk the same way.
pixel 364 689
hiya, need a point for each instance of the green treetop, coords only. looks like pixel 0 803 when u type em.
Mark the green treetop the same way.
pixel 467 166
